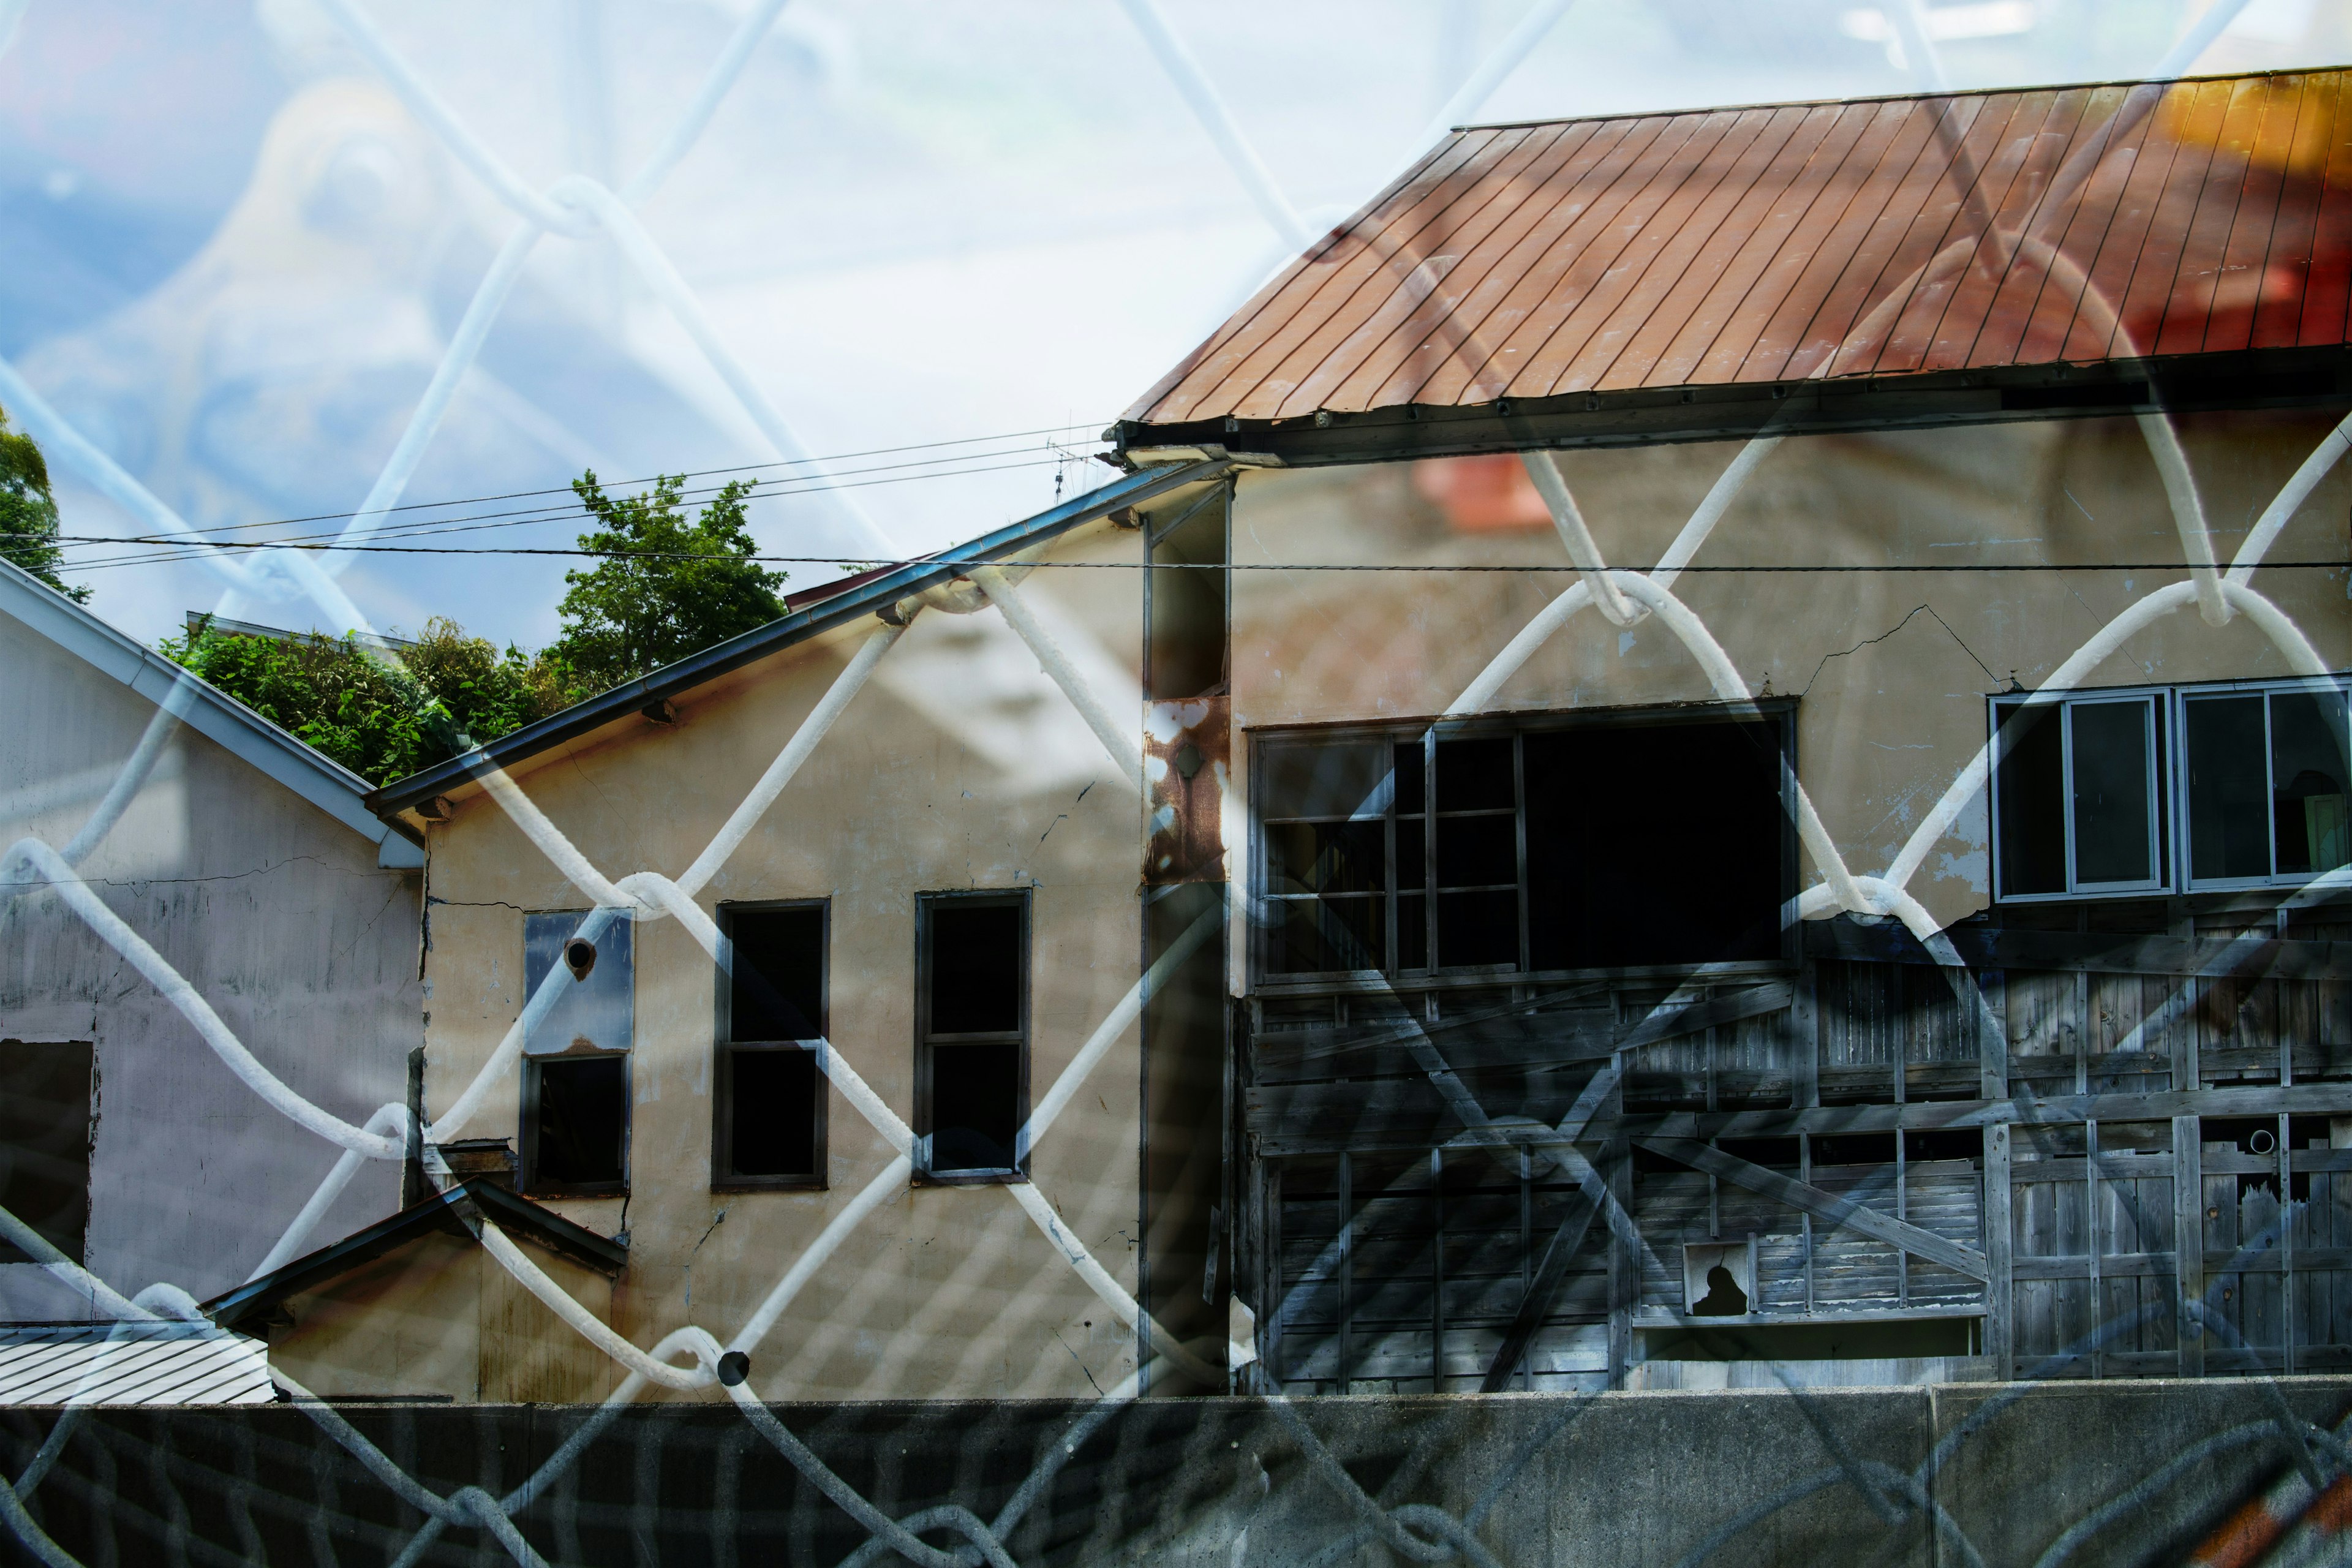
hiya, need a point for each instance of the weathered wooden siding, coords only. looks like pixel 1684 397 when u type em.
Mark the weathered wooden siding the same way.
pixel 2041 1136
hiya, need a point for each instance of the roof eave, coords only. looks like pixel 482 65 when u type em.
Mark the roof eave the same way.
pixel 458 1212
pixel 2245 378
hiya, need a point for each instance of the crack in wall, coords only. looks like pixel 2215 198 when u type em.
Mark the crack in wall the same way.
pixel 1927 610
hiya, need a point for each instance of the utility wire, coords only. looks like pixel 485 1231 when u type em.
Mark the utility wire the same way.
pixel 811 481
pixel 178 549
pixel 1564 568
pixel 526 516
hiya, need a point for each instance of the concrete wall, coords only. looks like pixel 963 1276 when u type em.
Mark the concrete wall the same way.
pixel 279 916
pixel 959 767
pixel 1618 1481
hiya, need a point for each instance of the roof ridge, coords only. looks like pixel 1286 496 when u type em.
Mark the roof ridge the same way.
pixel 1945 93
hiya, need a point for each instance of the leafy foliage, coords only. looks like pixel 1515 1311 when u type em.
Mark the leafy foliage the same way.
pixel 666 587
pixel 379 721
pixel 29 514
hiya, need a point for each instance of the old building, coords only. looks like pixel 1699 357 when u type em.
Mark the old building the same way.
pixel 246 865
pixel 1717 737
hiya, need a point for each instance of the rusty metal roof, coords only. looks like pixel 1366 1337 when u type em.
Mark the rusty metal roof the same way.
pixel 1882 239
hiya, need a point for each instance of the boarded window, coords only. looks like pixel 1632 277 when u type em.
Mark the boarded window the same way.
pixel 575 1099
pixel 768 1116
pixel 972 1065
pixel 46 1094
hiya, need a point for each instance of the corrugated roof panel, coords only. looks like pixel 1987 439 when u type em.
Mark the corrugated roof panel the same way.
pixel 1879 237
pixel 2327 286
pixel 146 1365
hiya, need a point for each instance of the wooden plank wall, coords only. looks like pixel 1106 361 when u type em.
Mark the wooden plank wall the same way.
pixel 2122 1121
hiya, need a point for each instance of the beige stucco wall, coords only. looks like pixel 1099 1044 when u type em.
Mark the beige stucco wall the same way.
pixel 439 1316
pixel 961 767
pixel 940 1290
pixel 1890 670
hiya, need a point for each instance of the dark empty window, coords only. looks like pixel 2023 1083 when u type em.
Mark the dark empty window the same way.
pixel 971 1054
pixel 768 1115
pixel 45 1103
pixel 1564 845
pixel 2266 784
pixel 575 1092
pixel 582 1122
pixel 2078 795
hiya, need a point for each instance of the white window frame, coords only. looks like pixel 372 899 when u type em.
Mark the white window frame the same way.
pixel 2163 791
pixel 2182 697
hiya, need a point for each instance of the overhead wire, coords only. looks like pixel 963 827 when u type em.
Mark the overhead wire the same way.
pixel 816 482
pixel 169 549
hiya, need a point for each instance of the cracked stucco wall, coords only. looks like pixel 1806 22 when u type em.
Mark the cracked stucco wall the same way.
pixel 281 918
pixel 958 766
pixel 1891 669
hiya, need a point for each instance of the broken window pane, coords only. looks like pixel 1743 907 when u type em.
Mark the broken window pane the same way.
pixel 771 1112
pixel 45 1114
pixel 776 986
pixel 2114 772
pixel 2228 811
pixel 1478 928
pixel 975 1106
pixel 2031 782
pixel 582 1122
pixel 976 969
pixel 2307 780
pixel 1315 936
pixel 1325 778
pixel 1475 775
pixel 1326 857
pixel 1478 851
pixel 1623 820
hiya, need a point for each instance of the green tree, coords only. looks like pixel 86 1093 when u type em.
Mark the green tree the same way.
pixel 28 513
pixel 381 721
pixel 664 586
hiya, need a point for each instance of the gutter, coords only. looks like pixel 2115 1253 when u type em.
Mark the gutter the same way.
pixel 869 594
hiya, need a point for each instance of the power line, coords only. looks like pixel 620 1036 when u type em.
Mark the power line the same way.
pixel 524 517
pixel 811 481
pixel 174 549
pixel 1467 568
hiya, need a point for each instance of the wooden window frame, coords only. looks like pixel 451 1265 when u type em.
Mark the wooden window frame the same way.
pixel 725 1048
pixel 925 1040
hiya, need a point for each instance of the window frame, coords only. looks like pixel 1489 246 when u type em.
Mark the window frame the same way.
pixel 2164 773
pixel 725 1047
pixel 2173 818
pixel 925 1040
pixel 1779 711
pixel 2186 879
pixel 528 1179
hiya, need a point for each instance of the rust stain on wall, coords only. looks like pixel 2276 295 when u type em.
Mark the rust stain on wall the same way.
pixel 1188 758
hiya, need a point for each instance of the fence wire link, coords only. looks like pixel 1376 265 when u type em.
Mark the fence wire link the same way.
pixel 579 209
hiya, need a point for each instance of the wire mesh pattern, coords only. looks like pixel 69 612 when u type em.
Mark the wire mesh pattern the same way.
pixel 962 1487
